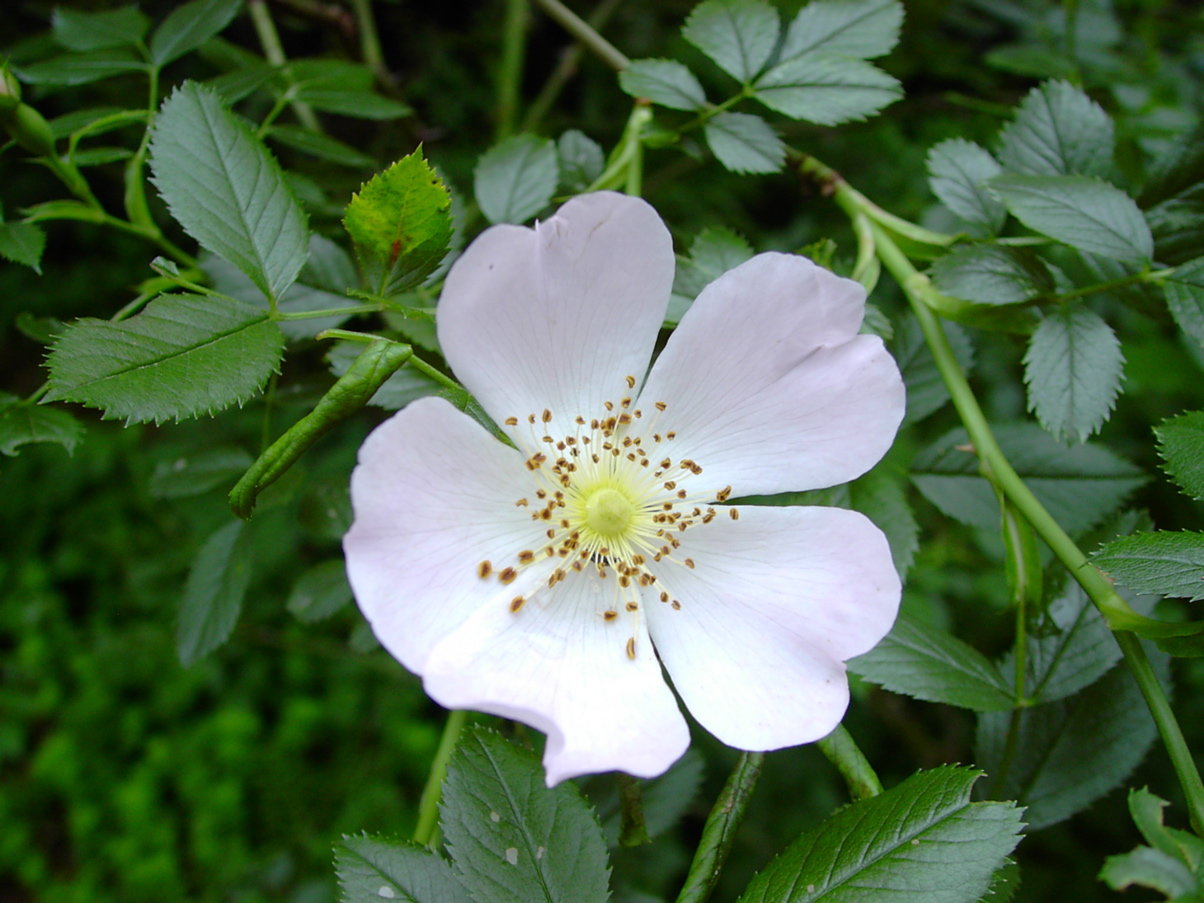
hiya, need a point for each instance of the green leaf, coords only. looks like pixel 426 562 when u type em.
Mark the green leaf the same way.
pixel 400 223
pixel 1185 297
pixel 1082 212
pixel 665 82
pixel 826 90
pixel 715 250
pixel 82 68
pixel 372 869
pixel 581 160
pixel 318 145
pixel 1177 172
pixel 923 840
pixel 745 143
pixel 1079 486
pixel 739 35
pixel 182 356
pixel 1178 228
pixel 516 179
pixel 993 274
pixel 863 29
pixel 96 31
pixel 1181 444
pixel 1075 653
pixel 512 839
pixel 357 104
pixel 1071 752
pixel 341 87
pixel 1073 368
pixel 320 591
pixel 1147 867
pixel 22 243
pixel 213 596
pixel 226 190
pixel 958 171
pixel 1058 130
pixel 1146 809
pixel 189 26
pixel 922 661
pixel 926 392
pixel 22 423
pixel 397 391
pixel 187 475
pixel 1164 563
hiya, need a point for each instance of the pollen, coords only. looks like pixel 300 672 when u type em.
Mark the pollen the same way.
pixel 602 511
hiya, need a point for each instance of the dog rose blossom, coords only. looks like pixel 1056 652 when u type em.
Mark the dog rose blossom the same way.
pixel 554 578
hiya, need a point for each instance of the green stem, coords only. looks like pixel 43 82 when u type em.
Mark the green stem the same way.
pixel 1089 577
pixel 1122 282
pixel 720 829
pixel 348 311
pixel 565 69
pixel 370 48
pixel 273 51
pixel 1168 726
pixel 842 751
pixel 632 829
pixel 585 33
pixel 510 71
pixel 428 805
pixel 713 110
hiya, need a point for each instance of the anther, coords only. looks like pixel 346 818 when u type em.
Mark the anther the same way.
pixel 511 421
pixel 609 615
pixel 547 416
pixel 631 648
pixel 517 603
pixel 631 382
pixel 734 513
pixel 484 569
pixel 507 575
pixel 633 606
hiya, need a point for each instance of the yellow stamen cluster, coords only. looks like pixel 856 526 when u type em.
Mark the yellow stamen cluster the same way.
pixel 613 498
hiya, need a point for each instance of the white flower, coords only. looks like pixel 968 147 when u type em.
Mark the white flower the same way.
pixel 550 582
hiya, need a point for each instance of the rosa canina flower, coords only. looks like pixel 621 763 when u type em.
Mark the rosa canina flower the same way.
pixel 550 578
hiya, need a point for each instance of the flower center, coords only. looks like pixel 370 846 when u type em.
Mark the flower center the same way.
pixel 614 498
pixel 609 513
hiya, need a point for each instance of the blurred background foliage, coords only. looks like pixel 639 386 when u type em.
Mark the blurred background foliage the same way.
pixel 126 777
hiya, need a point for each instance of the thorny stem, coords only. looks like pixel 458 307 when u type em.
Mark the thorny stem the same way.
pixel 427 829
pixel 583 32
pixel 842 751
pixel 720 829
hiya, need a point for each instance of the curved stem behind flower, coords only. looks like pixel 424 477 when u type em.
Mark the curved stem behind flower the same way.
pixel 1089 577
pixel 720 829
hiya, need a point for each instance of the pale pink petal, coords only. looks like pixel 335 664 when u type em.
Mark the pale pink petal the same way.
pixel 774 605
pixel 434 496
pixel 557 317
pixel 558 666
pixel 767 386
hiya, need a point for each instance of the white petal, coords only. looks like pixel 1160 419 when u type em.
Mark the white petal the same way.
pixel 434 495
pixel 558 666
pixel 776 602
pixel 557 316
pixel 767 385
